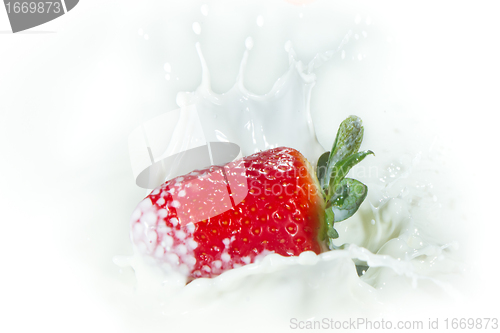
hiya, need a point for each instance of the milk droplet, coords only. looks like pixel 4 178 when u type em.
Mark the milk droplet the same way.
pixel 196 28
pixel 167 67
pixel 146 36
pixel 260 20
pixel 204 9
pixel 140 32
pixel 249 43
pixel 167 77
pixel 357 19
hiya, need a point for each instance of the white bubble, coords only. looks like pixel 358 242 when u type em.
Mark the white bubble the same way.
pixel 172 258
pixel 357 19
pixel 225 257
pixel 180 234
pixel 181 249
pixel 249 43
pixel 162 213
pixel 204 9
pixel 197 28
pixel 192 243
pixel 174 221
pixel 260 20
pixel 167 67
pixel 190 227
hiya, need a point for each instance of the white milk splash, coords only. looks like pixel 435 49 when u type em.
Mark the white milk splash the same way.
pixel 384 234
pixel 254 122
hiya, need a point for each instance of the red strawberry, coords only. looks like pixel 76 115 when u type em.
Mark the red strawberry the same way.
pixel 212 220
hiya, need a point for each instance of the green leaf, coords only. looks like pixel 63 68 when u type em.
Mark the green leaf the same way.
pixel 350 196
pixel 341 169
pixel 348 140
pixel 347 143
pixel 343 196
pixel 321 168
pixel 330 219
pixel 332 233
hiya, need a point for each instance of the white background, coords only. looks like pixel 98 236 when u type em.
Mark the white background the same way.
pixel 73 89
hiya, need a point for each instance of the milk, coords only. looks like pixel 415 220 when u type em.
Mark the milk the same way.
pixel 389 233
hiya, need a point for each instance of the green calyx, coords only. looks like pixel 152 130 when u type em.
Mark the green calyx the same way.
pixel 343 196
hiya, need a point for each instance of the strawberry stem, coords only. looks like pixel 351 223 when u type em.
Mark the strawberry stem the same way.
pixel 343 196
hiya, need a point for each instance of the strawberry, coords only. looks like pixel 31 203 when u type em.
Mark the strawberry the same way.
pixel 223 217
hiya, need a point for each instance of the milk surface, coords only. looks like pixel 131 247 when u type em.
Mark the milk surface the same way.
pixel 402 230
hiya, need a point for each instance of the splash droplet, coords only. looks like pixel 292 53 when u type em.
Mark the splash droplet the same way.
pixel 140 32
pixel 167 67
pixel 197 28
pixel 249 43
pixel 260 20
pixel 204 10
pixel 146 36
